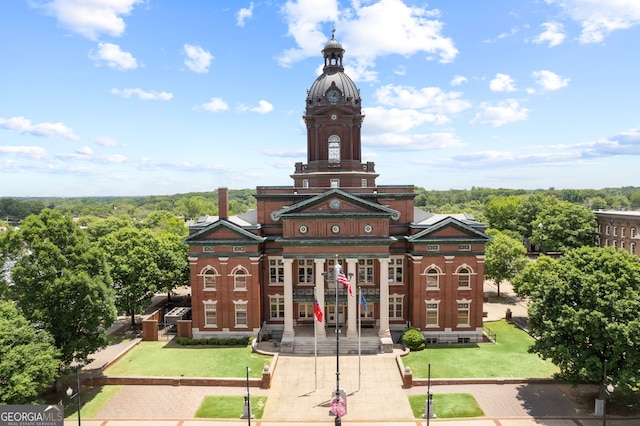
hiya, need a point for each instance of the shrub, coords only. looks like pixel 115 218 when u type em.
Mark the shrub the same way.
pixel 413 339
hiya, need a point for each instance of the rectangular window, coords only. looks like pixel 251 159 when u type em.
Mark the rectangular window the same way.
pixel 335 183
pixel 395 270
pixel 241 314
pixel 276 307
pixel 464 247
pixel 363 183
pixel 365 271
pixel 606 230
pixel 305 183
pixel 368 313
pixel 433 248
pixel 210 314
pixel 276 271
pixel 208 249
pixel 305 271
pixel 463 314
pixel 305 310
pixel 395 307
pixel 623 231
pixel 238 249
pixel 615 231
pixel 432 314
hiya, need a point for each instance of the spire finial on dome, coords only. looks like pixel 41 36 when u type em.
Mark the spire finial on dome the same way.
pixel 333 33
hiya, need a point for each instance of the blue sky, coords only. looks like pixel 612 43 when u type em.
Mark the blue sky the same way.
pixel 142 97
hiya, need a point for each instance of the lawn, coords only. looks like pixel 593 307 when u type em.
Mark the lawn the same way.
pixel 509 357
pixel 229 407
pixel 93 401
pixel 171 360
pixel 447 405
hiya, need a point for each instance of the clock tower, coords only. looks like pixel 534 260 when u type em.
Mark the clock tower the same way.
pixel 334 118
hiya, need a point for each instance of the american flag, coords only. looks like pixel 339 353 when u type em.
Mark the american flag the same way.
pixel 342 279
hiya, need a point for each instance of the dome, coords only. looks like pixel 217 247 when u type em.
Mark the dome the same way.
pixel 333 76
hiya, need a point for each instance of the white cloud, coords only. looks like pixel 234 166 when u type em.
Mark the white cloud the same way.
pixel 143 95
pixel 291 153
pixel 107 141
pixel 215 104
pixel 263 107
pixel 394 120
pixel 33 152
pixel 431 99
pixel 244 14
pixel 502 83
pixel 48 130
pixel 553 34
pixel 114 57
pixel 501 113
pixel 458 80
pixel 548 81
pixel 407 30
pixel 198 59
pixel 600 18
pixel 90 18
pixel 413 142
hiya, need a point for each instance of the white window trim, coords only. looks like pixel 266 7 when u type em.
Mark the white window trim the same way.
pixel 235 312
pixel 204 273
pixel 312 282
pixel 426 275
pixel 468 302
pixel 394 266
pixel 246 275
pixel 276 296
pixel 277 259
pixel 204 311
pixel 470 274
pixel 395 296
pixel 426 305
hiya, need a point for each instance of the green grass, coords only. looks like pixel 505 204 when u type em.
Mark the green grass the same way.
pixel 92 402
pixel 509 357
pixel 170 359
pixel 229 407
pixel 447 405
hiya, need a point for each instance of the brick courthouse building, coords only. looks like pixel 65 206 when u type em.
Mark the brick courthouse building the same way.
pixel 256 273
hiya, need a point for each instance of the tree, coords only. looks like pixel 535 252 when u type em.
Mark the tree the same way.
pixel 505 258
pixel 29 360
pixel 167 221
pixel 173 262
pixel 563 226
pixel 133 258
pixel 61 283
pixel 502 212
pixel 194 207
pixel 584 310
pixel 529 209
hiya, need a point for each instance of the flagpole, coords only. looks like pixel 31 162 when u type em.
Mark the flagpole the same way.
pixel 338 421
pixel 315 341
pixel 359 338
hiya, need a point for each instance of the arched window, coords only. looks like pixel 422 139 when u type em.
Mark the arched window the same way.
pixel 464 276
pixel 334 149
pixel 209 278
pixel 240 279
pixel 433 278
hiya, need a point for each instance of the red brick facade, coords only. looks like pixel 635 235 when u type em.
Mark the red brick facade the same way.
pixel 262 270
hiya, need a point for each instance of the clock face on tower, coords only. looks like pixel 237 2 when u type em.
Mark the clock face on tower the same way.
pixel 333 96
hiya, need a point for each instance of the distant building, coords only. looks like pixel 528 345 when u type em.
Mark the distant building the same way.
pixel 619 229
pixel 261 272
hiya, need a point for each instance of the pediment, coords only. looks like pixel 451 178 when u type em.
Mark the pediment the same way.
pixel 449 229
pixel 222 231
pixel 334 202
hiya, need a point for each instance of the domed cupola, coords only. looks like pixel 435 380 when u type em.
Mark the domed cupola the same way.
pixel 333 86
pixel 334 119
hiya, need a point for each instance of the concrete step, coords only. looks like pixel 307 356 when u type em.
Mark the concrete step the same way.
pixel 307 345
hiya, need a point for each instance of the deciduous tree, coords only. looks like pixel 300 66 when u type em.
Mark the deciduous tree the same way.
pixel 61 283
pixel 29 360
pixel 584 310
pixel 505 258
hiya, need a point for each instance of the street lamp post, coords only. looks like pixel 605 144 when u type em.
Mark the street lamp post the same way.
pixel 76 395
pixel 607 389
pixel 541 227
pixel 247 402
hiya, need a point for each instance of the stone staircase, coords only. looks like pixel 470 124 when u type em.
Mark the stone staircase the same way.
pixel 369 345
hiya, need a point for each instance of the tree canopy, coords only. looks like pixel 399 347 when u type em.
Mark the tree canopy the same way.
pixel 29 360
pixel 505 258
pixel 562 226
pixel 584 310
pixel 62 283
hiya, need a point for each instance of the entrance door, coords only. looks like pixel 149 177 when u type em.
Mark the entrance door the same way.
pixel 331 313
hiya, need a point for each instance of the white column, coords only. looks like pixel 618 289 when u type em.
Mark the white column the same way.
pixel 288 298
pixel 384 298
pixel 319 269
pixel 352 311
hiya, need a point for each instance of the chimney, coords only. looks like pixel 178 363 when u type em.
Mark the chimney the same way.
pixel 223 203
